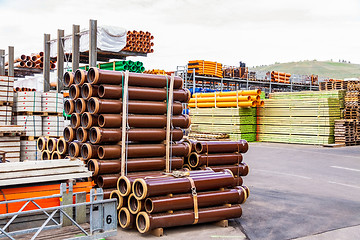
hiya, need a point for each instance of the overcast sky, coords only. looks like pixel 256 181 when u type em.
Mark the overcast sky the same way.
pixel 228 31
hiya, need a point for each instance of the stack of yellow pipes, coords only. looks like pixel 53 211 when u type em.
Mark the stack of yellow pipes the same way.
pixel 242 98
pixel 205 68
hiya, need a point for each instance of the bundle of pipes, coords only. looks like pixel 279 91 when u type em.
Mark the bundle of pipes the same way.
pixel 96 122
pixel 52 148
pixel 242 98
pixel 139 42
pixel 35 60
pixel 206 68
pixel 23 89
pixel 132 66
pixel 156 71
pixel 179 198
pixel 280 77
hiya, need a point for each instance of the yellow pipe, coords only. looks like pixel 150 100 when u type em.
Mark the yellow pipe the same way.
pixel 255 98
pixel 232 93
pixel 222 99
pixel 260 103
pixel 223 104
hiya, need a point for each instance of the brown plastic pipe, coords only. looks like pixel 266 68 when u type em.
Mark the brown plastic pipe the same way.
pixel 80 105
pixel 146 222
pixel 45 155
pixel 126 219
pixel 51 144
pixel 186 201
pixel 99 167
pixel 56 155
pixel 143 188
pixel 89 151
pixel 120 199
pixel 196 160
pixel 241 169
pixel 80 77
pixel 97 76
pixel 74 91
pixel 62 146
pixel 89 120
pixel 88 91
pixel 143 93
pixel 69 134
pixel 143 150
pixel 113 135
pixel 74 148
pixel 135 206
pixel 69 106
pixel 143 121
pixel 75 120
pixel 240 146
pixel 107 181
pixel 68 79
pixel 82 135
pixel 41 143
pixel 97 106
pixel 107 192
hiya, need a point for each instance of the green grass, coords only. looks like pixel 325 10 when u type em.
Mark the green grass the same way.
pixel 325 69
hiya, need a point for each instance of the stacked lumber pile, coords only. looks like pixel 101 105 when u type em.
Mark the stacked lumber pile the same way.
pixel 10 142
pixel 139 41
pixel 333 84
pixel 41 171
pixel 300 117
pixel 6 99
pixel 280 77
pixel 347 132
pixel 132 66
pixel 237 122
pixel 206 68
pixel 35 60
pixel 51 148
pixel 352 100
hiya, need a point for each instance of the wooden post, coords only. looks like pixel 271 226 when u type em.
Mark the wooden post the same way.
pixel 124 122
pixel 46 70
pixel 60 60
pixel 75 58
pixel 168 121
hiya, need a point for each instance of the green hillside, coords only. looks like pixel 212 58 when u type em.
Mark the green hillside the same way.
pixel 325 69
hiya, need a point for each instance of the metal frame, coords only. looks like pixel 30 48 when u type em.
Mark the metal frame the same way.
pixel 100 226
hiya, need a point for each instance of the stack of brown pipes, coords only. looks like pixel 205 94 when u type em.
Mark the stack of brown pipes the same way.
pixel 218 155
pixel 52 148
pixel 35 60
pixel 139 42
pixel 96 120
pixel 177 199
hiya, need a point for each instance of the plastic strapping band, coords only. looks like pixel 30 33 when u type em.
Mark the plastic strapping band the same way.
pixel 194 195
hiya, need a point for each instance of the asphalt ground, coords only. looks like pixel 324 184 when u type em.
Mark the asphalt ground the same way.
pixel 296 192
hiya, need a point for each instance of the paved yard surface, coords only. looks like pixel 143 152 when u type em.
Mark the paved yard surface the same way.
pixel 297 192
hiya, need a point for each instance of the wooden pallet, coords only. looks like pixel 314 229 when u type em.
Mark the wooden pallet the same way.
pixel 38 113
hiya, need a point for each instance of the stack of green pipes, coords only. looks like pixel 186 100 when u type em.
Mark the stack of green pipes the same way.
pixel 120 66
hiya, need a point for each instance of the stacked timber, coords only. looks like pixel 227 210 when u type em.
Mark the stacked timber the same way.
pixel 6 99
pixel 96 122
pixel 139 41
pixel 51 148
pixel 205 68
pixel 300 117
pixel 237 122
pixel 280 77
pixel 352 101
pixel 10 142
pixel 346 132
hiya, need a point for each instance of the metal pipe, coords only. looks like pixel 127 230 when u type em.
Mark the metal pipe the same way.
pixel 80 77
pixel 143 150
pixel 68 78
pixel 75 120
pixel 80 105
pixel 240 146
pixel 62 146
pixel 143 188
pixel 74 148
pixel 74 91
pixel 143 121
pixel 146 222
pixel 82 135
pixel 89 120
pixel 99 167
pixel 107 181
pixel 113 135
pixel 126 219
pixel 120 199
pixel 196 160
pixel 69 134
pixel 41 143
pixel 143 93
pixel 135 206
pixel 97 106
pixel 69 106
pixel 88 91
pixel 97 76
pixel 51 144
pixel 186 201
pixel 89 151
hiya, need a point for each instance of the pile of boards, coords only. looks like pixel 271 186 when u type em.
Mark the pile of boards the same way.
pixel 347 132
pixel 10 142
pixel 300 117
pixel 6 99
pixel 205 68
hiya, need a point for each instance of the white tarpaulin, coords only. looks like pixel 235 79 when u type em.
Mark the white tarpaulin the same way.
pixel 109 38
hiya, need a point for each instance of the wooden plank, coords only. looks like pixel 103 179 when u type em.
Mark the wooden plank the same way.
pixel 33 165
